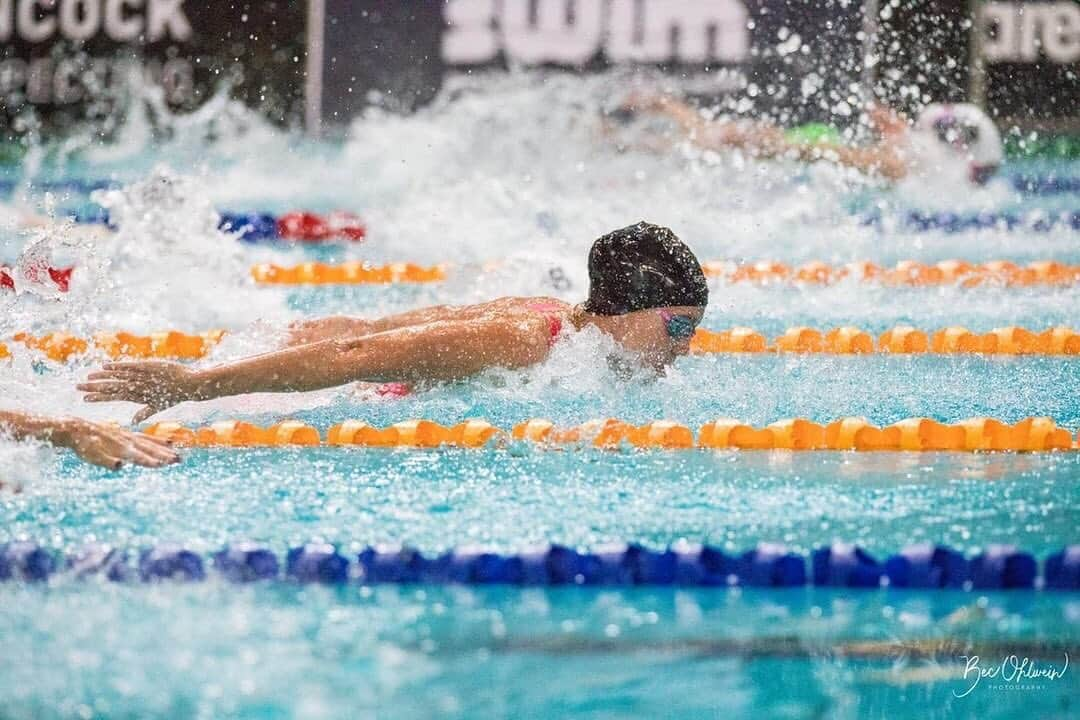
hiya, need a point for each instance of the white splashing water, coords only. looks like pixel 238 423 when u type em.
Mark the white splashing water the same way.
pixel 516 169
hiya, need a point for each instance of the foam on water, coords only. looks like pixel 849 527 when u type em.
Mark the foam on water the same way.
pixel 517 169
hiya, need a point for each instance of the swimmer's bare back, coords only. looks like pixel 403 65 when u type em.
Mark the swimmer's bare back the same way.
pixel 428 345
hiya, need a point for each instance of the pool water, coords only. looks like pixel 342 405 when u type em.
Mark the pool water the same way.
pixel 514 171
pixel 275 651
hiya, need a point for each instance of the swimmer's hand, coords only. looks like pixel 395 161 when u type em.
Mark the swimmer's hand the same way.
pixel 110 447
pixel 158 385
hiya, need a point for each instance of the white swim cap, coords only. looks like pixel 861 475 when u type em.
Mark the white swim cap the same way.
pixel 965 130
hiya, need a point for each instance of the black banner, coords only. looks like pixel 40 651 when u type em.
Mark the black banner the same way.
pixel 799 60
pixel 775 52
pixel 1031 53
pixel 1020 59
pixel 68 62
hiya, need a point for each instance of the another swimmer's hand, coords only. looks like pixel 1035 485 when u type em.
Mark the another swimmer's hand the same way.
pixel 110 447
pixel 157 385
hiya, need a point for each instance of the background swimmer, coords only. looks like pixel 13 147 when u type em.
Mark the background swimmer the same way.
pixel 957 140
pixel 647 291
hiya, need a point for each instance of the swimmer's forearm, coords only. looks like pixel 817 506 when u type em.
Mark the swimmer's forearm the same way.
pixel 883 160
pixel 299 369
pixel 57 431
pixel 437 351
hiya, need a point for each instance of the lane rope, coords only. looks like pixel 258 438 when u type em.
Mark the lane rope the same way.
pixel 1028 183
pixel 349 273
pixel 901 340
pixel 907 273
pixel 296 226
pixel 1034 434
pixel 172 345
pixel 926 566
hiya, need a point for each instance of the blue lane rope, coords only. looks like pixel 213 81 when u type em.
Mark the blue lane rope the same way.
pixel 951 222
pixel 257 227
pixel 998 567
pixel 1045 184
pixel 1027 183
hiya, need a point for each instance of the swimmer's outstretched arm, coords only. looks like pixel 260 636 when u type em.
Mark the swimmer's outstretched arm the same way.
pixel 761 138
pixel 437 351
pixel 99 444
pixel 765 140
pixel 884 159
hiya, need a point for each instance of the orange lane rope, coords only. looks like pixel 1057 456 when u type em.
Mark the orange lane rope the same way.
pixel 905 273
pixel 172 345
pixel 910 273
pixel 1038 434
pixel 61 347
pixel 350 273
pixel 898 340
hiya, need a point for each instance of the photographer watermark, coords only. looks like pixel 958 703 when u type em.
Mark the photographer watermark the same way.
pixel 1012 673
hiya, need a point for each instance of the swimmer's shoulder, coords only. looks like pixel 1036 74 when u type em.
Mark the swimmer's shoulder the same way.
pixel 541 306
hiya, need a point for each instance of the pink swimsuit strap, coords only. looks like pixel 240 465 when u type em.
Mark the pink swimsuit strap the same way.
pixel 555 322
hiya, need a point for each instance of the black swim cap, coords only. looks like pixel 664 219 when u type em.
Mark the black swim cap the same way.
pixel 640 267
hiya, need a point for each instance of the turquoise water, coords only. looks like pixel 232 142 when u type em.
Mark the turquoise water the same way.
pixel 510 500
pixel 531 189
pixel 216 651
pixel 96 649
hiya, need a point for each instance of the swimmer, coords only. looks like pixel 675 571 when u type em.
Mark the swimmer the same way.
pixel 96 443
pixel 647 291
pixel 945 137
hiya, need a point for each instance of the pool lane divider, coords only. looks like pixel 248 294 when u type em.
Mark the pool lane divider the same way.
pixel 1028 183
pixel 902 340
pixel 846 434
pixel 307 227
pixel 170 345
pixel 924 567
pixel 297 226
pixel 348 273
pixel 907 273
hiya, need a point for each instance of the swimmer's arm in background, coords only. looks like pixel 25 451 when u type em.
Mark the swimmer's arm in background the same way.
pixel 437 351
pixel 99 444
pixel 761 138
pixel 884 160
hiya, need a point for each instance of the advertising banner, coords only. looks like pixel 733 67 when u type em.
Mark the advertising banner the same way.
pixel 322 62
pixel 1030 53
pixel 799 60
pixel 65 62
pixel 774 52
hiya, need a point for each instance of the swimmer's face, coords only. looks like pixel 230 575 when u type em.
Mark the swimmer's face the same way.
pixel 657 336
pixel 956 134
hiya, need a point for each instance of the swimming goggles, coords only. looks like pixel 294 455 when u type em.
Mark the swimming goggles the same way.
pixel 679 327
